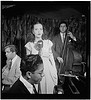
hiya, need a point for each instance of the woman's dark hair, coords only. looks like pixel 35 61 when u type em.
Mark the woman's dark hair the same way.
pixel 30 63
pixel 38 22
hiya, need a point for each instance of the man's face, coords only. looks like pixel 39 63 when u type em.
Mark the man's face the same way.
pixel 38 74
pixel 8 53
pixel 63 27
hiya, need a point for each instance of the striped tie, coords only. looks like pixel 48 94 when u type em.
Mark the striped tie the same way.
pixel 10 63
pixel 39 89
pixel 34 89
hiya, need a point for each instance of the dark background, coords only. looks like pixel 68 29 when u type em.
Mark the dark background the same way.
pixel 44 7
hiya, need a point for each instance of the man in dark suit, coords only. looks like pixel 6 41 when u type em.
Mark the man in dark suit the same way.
pixel 32 72
pixel 58 43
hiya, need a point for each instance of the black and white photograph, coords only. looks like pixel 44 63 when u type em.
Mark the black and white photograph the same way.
pixel 45 50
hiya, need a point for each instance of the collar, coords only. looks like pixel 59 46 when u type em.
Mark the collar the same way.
pixel 27 85
pixel 62 33
pixel 13 60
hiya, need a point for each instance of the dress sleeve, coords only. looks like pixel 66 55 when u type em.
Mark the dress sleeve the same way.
pixel 28 48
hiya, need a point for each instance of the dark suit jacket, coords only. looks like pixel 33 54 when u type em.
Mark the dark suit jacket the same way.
pixel 57 51
pixel 57 46
pixel 18 90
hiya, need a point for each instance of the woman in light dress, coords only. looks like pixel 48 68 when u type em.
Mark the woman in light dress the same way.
pixel 43 47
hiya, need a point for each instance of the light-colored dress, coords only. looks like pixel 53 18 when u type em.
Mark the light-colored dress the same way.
pixel 50 73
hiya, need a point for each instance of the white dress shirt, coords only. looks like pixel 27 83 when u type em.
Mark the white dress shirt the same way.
pixel 62 36
pixel 27 85
pixel 13 60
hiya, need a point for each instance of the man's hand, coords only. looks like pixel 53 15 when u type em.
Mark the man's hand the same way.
pixel 71 35
pixel 60 59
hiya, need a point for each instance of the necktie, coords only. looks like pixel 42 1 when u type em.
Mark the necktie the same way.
pixel 10 63
pixel 34 89
pixel 62 37
pixel 39 89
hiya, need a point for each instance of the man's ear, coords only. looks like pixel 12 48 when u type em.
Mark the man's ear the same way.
pixel 28 74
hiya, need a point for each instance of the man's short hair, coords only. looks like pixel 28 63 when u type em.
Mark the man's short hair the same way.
pixel 30 63
pixel 12 48
pixel 64 23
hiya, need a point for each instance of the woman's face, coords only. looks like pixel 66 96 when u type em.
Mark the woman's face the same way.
pixel 38 30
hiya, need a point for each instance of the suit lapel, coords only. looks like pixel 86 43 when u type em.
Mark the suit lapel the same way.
pixel 23 89
pixel 60 42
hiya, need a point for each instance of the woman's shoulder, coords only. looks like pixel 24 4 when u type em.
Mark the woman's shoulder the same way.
pixel 48 42
pixel 28 44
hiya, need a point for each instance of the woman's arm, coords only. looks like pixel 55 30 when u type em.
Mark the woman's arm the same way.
pixel 28 52
pixel 28 48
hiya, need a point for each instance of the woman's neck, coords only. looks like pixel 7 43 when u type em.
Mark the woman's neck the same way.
pixel 37 39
